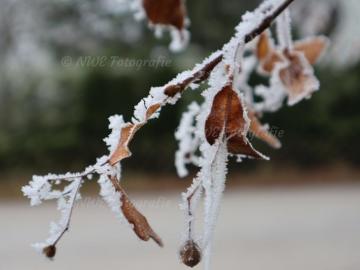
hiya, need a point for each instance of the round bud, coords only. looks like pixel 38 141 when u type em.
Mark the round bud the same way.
pixel 190 253
pixel 49 251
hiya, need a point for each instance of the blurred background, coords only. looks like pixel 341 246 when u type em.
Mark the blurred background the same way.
pixel 299 211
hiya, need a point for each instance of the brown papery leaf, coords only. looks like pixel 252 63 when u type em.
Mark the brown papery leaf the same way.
pixel 127 133
pixel 297 78
pixel 312 48
pixel 166 12
pixel 152 109
pixel 122 151
pixel 140 224
pixel 269 63
pixel 263 48
pixel 240 145
pixel 266 53
pixel 227 113
pixel 261 132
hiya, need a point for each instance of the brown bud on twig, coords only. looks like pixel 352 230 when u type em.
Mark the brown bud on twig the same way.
pixel 49 251
pixel 190 253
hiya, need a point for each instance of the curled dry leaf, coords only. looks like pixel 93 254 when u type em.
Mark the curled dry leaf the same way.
pixel 313 48
pixel 166 12
pixel 269 56
pixel 228 114
pixel 122 151
pixel 261 132
pixel 266 54
pixel 127 133
pixel 297 77
pixel 140 224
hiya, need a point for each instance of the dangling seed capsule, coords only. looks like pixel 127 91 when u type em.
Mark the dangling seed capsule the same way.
pixel 49 251
pixel 190 253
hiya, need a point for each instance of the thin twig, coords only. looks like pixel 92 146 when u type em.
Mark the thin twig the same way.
pixel 203 74
pixel 69 214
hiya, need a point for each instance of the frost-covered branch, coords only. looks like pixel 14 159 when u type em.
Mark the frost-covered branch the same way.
pixel 217 129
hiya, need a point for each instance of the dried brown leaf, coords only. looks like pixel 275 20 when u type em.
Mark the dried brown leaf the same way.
pixel 298 81
pixel 240 145
pixel 166 12
pixel 122 151
pixel 263 47
pixel 228 114
pixel 269 63
pixel 152 109
pixel 312 48
pixel 266 53
pixel 127 133
pixel 261 132
pixel 140 224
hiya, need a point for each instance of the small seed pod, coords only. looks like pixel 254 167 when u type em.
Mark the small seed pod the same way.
pixel 49 251
pixel 190 253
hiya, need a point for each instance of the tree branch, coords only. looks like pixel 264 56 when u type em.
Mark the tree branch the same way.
pixel 178 85
pixel 203 74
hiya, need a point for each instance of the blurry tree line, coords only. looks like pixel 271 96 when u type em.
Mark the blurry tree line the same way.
pixel 56 120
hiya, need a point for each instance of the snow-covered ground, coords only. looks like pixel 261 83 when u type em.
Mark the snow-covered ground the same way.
pixel 271 229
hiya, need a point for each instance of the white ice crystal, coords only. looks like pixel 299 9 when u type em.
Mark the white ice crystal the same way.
pixel 283 27
pixel 110 196
pixel 246 67
pixel 116 123
pixel 179 39
pixel 188 141
pixel 272 97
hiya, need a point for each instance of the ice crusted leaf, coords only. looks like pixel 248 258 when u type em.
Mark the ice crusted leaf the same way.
pixel 291 67
pixel 228 114
pixel 140 224
pixel 266 54
pixel 170 13
pixel 313 48
pixel 261 132
pixel 166 12
pixel 127 133
pixel 298 78
pixel 122 151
